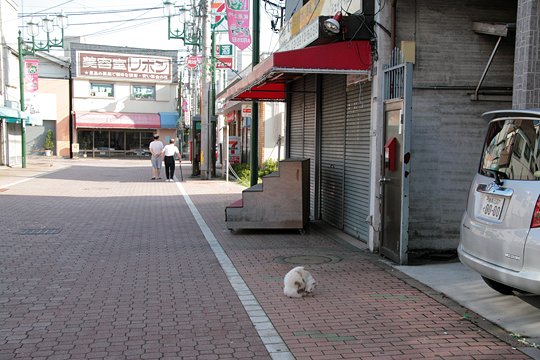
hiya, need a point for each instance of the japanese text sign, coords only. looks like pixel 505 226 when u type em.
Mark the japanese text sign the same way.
pixel 124 66
pixel 193 61
pixel 224 50
pixel 224 63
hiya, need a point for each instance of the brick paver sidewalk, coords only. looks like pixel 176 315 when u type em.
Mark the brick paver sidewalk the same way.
pixel 99 262
pixel 361 309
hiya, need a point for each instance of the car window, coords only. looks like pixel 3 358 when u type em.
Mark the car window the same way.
pixel 512 149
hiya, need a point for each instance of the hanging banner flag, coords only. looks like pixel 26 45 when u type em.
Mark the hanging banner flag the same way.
pixel 229 118
pixel 31 75
pixel 185 105
pixel 238 20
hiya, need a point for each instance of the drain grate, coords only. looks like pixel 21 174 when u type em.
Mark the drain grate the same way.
pixel 45 231
pixel 307 259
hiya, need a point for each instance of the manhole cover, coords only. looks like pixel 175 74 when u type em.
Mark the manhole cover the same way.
pixel 46 231
pixel 307 259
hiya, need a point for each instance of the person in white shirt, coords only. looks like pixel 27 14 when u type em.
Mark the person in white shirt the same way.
pixel 156 148
pixel 170 151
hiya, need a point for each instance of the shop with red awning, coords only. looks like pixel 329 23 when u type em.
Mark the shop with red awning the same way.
pixel 268 80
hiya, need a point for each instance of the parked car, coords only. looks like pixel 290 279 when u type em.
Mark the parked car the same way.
pixel 500 229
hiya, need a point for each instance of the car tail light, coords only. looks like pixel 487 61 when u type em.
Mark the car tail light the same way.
pixel 535 222
pixel 468 194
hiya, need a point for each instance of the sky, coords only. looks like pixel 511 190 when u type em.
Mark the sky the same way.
pixel 132 23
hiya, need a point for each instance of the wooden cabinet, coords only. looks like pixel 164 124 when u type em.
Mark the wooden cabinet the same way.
pixel 280 202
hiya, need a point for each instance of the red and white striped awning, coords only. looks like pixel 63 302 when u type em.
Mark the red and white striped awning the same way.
pixel 116 120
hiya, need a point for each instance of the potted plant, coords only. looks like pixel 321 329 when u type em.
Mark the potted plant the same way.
pixel 48 144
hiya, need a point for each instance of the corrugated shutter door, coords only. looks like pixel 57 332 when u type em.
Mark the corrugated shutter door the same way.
pixel 310 100
pixel 332 149
pixel 357 161
pixel 296 145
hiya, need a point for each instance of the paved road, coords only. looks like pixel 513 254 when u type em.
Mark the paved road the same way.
pixel 99 262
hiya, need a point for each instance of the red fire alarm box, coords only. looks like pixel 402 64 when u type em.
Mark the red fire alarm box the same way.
pixel 390 153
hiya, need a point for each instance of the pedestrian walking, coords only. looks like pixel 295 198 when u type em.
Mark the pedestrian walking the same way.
pixel 156 149
pixel 169 151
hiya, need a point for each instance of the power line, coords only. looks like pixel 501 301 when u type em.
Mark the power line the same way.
pixel 139 20
pixel 128 22
pixel 52 7
pixel 106 31
pixel 116 29
pixel 115 21
pixel 96 12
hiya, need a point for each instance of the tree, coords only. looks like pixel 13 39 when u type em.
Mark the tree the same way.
pixel 48 144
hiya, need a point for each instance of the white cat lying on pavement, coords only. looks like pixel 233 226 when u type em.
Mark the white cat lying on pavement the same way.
pixel 298 282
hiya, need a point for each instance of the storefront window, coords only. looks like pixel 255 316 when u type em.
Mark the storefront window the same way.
pixel 117 140
pixel 146 139
pixel 134 146
pixel 145 92
pixel 101 140
pixel 133 140
pixel 85 140
pixel 101 90
pixel 114 143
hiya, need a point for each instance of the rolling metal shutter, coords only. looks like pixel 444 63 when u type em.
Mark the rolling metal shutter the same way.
pixel 310 102
pixel 332 149
pixel 296 130
pixel 357 161
pixel 303 129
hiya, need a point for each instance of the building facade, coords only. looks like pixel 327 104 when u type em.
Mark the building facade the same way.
pixel 393 137
pixel 10 127
pixel 48 105
pixel 121 97
pixel 46 95
pixel 456 71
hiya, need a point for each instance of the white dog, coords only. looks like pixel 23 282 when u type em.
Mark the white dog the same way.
pixel 298 282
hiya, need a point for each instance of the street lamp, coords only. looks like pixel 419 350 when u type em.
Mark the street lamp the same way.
pixel 332 25
pixel 29 48
pixel 48 24
pixel 189 33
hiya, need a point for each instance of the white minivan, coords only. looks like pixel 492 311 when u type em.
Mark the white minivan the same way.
pixel 500 229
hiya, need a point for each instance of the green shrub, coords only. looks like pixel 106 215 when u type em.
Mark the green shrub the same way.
pixel 268 167
pixel 48 144
pixel 244 173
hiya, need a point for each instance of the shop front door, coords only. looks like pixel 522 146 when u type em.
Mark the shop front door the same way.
pixel 391 182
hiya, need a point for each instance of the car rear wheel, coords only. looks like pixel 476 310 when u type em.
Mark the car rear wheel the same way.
pixel 497 286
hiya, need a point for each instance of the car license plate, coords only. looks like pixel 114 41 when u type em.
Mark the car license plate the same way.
pixel 491 206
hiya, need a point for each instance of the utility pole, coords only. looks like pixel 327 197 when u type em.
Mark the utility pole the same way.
pixel 213 99
pixel 254 163
pixel 21 90
pixel 206 156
